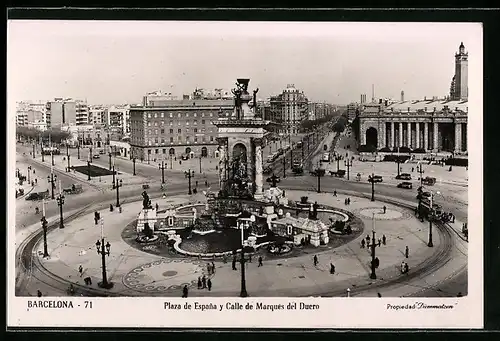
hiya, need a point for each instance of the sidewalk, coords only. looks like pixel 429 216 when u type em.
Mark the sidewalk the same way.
pixel 136 273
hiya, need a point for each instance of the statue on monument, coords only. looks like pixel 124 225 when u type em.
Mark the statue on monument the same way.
pixel 146 202
pixel 273 180
pixel 315 211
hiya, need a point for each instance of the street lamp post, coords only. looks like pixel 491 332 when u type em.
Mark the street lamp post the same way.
pixel 118 185
pixel 60 203
pixel 103 250
pixel 162 168
pixel 243 225
pixel 373 275
pixel 44 228
pixel 284 166
pixel 319 178
pixel 29 170
pixel 200 163
pixel 431 216
pixel 109 159
pixel 90 154
pixel 189 175
pixel 41 151
pixel 337 158
pixel 52 181
pixel 88 170
pixel 348 163
pixel 372 180
pixel 114 176
pixel 398 161
pixel 133 161
pixel 78 148
pixel 33 150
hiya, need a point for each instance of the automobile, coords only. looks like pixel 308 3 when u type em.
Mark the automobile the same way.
pixel 38 195
pixel 338 174
pixel 403 176
pixel 101 152
pixel 405 184
pixel 96 156
pixel 429 181
pixel 376 178
pixel 318 172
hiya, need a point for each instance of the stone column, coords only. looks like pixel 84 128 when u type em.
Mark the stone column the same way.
pixel 393 144
pixel 408 137
pixel 417 135
pixel 259 189
pixel 426 136
pixel 362 133
pixel 435 145
pixel 400 142
pixel 458 137
pixel 222 160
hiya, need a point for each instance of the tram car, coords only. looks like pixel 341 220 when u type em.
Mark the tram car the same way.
pixel 425 208
pixel 51 150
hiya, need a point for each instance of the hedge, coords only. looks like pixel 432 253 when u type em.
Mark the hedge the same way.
pixel 394 158
pixel 367 148
pixel 457 162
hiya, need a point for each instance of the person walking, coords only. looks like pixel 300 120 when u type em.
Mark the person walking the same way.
pixel 209 269
pixel 379 242
pixel 385 209
pixel 213 268
pixel 203 282
pixel 315 259
pixel 335 193
pixel 362 243
pixel 260 261
pixel 39 293
pixel 199 282
pixel 367 239
pixel 209 284
pixel 80 270
pixel 407 268
pixel 157 206
pixel 332 269
pixel 185 291
pixel 379 295
pixel 377 262
pixel 403 267
pixel 383 239
pixel 234 263
pixel 407 251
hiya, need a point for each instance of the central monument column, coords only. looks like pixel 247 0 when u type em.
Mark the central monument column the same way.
pixel 222 159
pixel 259 183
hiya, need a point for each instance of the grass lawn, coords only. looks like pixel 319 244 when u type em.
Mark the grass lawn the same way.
pixel 94 170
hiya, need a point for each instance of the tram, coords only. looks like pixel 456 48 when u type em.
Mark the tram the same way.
pixel 425 208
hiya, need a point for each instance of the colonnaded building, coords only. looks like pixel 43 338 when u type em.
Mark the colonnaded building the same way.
pixel 434 125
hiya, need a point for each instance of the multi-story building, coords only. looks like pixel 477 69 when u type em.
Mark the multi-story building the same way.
pixel 61 112
pixel 118 121
pixel 289 109
pixel 97 115
pixel 32 114
pixel 168 128
pixel 82 113
pixel 352 111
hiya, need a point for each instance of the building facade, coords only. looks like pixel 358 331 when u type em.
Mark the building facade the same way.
pixel 459 89
pixel 61 112
pixel 82 112
pixel 171 128
pixel 118 121
pixel 289 109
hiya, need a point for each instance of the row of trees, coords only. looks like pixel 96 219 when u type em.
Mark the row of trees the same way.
pixel 312 124
pixel 56 135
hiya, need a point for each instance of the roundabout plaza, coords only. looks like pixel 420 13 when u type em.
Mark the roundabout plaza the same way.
pixel 247 240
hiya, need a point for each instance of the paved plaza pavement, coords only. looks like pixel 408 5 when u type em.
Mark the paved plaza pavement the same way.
pixel 136 273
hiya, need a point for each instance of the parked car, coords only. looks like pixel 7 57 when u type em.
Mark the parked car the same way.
pixel 405 184
pixel 96 156
pixel 38 195
pixel 74 189
pixel 429 181
pixel 339 174
pixel 403 176
pixel 101 152
pixel 376 178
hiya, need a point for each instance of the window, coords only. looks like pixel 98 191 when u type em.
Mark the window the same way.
pixel 162 116
pixel 164 151
pixel 149 131
pixel 156 116
pixel 171 123
pixel 179 138
pixel 195 130
pixel 187 138
pixel 171 139
pixel 179 123
pixel 156 151
pixel 203 138
pixel 162 142
pixel 162 131
pixel 195 115
pixel 211 138
pixel 187 123
pixel 211 115
pixel 202 130
pixel 196 139
pixel 149 151
pixel 178 131
pixel 149 124
pixel 171 115
pixel 149 115
pixel 195 122
pixel 156 131
pixel 179 115
pixel 149 142
pixel 187 130
pixel 162 123
pixel 202 121
pixel 156 140
pixel 171 131
pixel 187 114
pixel 156 124
pixel 202 114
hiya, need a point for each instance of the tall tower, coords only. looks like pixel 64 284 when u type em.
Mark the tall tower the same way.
pixel 402 96
pixel 460 89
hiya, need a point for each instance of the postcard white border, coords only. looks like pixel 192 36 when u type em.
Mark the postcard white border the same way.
pixel 334 312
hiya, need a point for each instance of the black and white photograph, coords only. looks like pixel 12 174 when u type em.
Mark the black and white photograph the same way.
pixel 244 174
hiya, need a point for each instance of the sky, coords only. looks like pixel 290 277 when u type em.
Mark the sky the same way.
pixel 118 62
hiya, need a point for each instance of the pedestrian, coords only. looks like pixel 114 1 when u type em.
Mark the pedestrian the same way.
pixel 260 260
pixel 348 201
pixel 315 259
pixel 383 239
pixel 213 268
pixel 34 172
pixel 157 206
pixel 332 269
pixel 234 263
pixel 368 239
pixel 209 269
pixel 209 284
pixel 362 243
pixel 36 181
pixel 412 169
pixel 345 201
pixel 80 270
pixel 385 209
pixel 199 282
pixel 407 268
pixel 407 251
pixel 185 291
pixel 39 293
pixel 379 295
pixel 203 282
pixel 335 193
pixel 377 262
pixel 403 267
